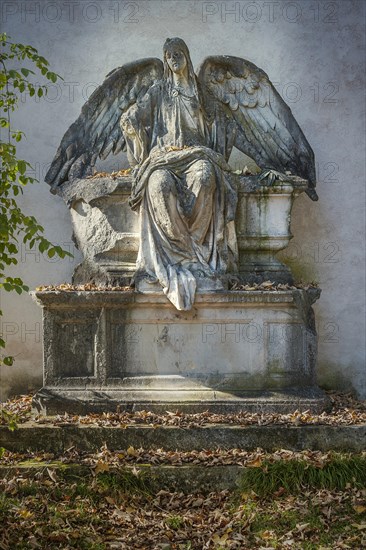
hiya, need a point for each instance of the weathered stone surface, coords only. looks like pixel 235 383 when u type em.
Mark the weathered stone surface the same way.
pixel 57 439
pixel 233 350
pixel 105 229
pixel 263 220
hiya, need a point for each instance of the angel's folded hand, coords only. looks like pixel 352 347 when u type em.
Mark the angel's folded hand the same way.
pixel 130 131
pixel 127 126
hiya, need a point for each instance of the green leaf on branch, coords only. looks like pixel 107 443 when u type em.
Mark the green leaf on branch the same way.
pixel 26 72
pixel 22 166
pixel 8 287
pixel 13 74
pixel 12 248
pixel 43 246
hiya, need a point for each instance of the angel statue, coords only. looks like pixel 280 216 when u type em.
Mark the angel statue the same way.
pixel 179 130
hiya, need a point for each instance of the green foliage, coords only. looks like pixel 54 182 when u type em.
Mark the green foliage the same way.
pixel 175 522
pixel 293 475
pixel 15 225
pixel 5 506
pixel 9 419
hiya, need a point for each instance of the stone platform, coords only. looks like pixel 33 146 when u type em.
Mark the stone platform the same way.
pixel 235 350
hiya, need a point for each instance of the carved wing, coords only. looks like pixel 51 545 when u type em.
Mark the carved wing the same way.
pixel 249 113
pixel 97 131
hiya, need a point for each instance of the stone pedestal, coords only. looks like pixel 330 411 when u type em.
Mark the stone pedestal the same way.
pixel 106 229
pixel 236 350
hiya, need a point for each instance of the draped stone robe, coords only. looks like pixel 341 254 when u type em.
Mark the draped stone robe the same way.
pixel 184 193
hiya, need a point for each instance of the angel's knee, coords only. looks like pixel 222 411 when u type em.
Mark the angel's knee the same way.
pixel 161 183
pixel 204 173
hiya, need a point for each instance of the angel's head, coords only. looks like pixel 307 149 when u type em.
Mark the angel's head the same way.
pixel 177 58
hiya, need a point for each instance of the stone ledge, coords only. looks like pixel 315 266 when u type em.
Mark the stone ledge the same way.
pixel 188 478
pixel 93 189
pixel 158 394
pixel 114 299
pixel 57 439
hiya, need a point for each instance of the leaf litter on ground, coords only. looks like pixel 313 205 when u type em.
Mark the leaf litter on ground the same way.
pixel 46 510
pixel 42 513
pixel 345 410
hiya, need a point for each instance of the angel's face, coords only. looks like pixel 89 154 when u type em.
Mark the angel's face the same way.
pixel 176 60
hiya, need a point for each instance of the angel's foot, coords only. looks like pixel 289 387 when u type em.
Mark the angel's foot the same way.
pixel 151 279
pixel 270 176
pixel 199 270
pixel 146 276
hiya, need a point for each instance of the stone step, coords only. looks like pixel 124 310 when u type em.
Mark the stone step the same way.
pixel 188 478
pixel 58 438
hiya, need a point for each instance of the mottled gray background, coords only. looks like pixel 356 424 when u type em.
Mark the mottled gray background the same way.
pixel 313 51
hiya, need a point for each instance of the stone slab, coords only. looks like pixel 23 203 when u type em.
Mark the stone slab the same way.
pixel 81 402
pixel 57 439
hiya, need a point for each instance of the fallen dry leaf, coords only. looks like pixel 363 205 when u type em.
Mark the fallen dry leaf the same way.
pixel 101 467
pixel 359 509
pixel 359 526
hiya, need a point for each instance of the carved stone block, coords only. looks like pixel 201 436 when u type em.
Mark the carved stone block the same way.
pixel 106 229
pixel 232 351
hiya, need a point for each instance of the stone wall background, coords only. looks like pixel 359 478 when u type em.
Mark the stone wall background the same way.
pixel 313 51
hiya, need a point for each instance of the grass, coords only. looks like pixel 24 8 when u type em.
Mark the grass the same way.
pixel 276 522
pixel 294 475
pixel 125 481
pixel 5 505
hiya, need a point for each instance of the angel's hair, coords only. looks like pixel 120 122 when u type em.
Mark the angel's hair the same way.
pixel 181 45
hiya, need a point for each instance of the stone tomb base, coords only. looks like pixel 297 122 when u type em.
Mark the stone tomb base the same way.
pixel 235 350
